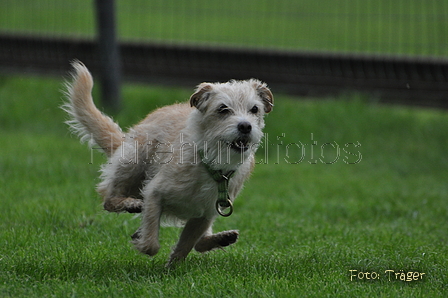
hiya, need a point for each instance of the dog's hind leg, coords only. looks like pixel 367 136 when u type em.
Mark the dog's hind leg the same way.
pixel 194 229
pixel 218 240
pixel 121 186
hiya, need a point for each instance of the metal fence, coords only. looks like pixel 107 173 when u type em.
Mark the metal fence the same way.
pixel 397 50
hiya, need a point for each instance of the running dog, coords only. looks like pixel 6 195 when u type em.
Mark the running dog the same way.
pixel 183 164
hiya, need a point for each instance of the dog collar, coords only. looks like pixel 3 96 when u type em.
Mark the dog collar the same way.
pixel 223 187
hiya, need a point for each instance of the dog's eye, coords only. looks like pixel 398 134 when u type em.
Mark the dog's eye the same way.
pixel 223 109
pixel 254 110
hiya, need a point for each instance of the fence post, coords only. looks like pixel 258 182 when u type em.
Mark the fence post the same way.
pixel 109 55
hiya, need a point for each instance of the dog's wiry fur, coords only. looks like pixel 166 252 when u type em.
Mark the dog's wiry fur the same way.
pixel 155 167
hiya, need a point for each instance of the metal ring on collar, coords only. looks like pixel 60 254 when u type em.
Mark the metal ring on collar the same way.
pixel 221 212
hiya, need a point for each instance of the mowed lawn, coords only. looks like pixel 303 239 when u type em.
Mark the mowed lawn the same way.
pixel 347 198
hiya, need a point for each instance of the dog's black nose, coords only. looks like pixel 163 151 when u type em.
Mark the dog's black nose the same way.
pixel 244 127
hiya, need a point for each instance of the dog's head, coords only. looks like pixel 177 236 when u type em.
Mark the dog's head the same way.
pixel 232 114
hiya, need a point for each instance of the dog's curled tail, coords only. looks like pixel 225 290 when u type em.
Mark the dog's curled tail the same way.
pixel 85 119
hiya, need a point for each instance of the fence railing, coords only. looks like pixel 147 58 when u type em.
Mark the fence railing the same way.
pixel 391 79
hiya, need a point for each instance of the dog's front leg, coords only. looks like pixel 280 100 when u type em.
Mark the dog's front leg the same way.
pixel 146 239
pixel 192 232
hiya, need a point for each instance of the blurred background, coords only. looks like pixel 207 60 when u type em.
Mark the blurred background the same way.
pixel 412 27
pixel 395 50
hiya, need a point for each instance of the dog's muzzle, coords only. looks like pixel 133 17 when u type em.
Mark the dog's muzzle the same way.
pixel 242 143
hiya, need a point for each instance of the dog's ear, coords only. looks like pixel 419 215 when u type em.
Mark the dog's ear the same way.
pixel 201 95
pixel 265 93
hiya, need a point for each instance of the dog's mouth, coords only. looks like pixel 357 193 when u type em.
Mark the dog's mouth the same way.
pixel 240 145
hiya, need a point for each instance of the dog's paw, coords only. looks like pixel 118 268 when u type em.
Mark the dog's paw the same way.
pixel 150 248
pixel 130 205
pixel 227 238
pixel 133 206
pixel 217 240
pixel 173 261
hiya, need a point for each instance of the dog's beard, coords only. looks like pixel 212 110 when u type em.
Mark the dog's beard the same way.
pixel 228 155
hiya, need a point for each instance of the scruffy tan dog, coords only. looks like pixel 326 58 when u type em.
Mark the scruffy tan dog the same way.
pixel 183 163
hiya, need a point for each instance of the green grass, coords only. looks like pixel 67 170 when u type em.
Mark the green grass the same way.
pixel 303 226
pixel 412 27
